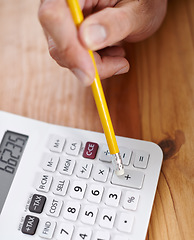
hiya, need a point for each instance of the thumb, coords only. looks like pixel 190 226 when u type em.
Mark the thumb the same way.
pixel 104 28
pixel 134 20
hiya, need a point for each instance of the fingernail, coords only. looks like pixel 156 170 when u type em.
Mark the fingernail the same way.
pixel 122 70
pixel 94 35
pixel 83 77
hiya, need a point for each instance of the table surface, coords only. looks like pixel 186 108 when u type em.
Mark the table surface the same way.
pixel 154 101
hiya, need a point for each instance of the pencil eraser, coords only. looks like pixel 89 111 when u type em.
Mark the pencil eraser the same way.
pixel 120 172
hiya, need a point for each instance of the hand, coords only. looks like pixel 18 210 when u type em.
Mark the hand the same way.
pixel 106 23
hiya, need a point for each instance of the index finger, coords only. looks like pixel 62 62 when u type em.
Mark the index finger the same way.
pixel 56 20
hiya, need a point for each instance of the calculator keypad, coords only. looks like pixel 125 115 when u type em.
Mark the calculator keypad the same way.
pixel 77 189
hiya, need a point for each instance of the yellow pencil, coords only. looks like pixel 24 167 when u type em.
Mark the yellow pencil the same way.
pixel 100 98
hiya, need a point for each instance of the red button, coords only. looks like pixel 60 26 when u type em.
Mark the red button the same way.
pixel 90 150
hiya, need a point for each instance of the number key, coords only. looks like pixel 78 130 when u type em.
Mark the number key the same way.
pixel 107 218
pixel 101 235
pixel 65 231
pixel 83 234
pixel 95 193
pixel 89 214
pixel 71 210
pixel 113 197
pixel 78 189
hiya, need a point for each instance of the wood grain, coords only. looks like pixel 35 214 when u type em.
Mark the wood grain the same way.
pixel 154 101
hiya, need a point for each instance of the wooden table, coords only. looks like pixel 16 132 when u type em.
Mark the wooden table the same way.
pixel 154 101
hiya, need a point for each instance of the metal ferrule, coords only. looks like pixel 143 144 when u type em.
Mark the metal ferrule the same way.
pixel 117 162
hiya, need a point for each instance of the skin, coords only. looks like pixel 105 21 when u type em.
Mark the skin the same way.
pixel 107 23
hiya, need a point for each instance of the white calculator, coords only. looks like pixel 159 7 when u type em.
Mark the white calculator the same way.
pixel 58 183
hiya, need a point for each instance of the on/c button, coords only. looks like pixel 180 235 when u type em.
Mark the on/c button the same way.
pixel 90 150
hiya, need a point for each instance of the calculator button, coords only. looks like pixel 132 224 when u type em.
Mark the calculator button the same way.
pixel 105 155
pixel 89 214
pixel 78 189
pixel 71 210
pixel 53 207
pixel 30 225
pixel 60 185
pixel 43 182
pixel 101 235
pixel 107 218
pixel 101 173
pixel 131 200
pixel 50 162
pixel 113 197
pixel 66 165
pixel 119 237
pixel 90 150
pixel 64 231
pixel 125 222
pixel 73 147
pixel 95 193
pixel 83 233
pixel 131 178
pixel 141 159
pixel 125 155
pixel 47 228
pixel 37 203
pixel 56 143
pixel 84 169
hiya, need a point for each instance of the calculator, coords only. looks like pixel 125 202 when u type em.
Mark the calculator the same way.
pixel 59 183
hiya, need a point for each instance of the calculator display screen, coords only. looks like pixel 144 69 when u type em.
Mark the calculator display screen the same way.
pixel 11 150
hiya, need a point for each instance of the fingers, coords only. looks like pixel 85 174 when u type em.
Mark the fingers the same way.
pixel 129 19
pixel 110 61
pixel 114 51
pixel 111 65
pixel 63 42
pixel 65 47
pixel 134 20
